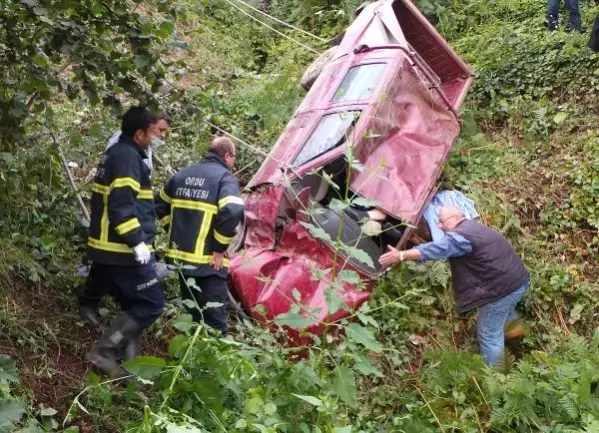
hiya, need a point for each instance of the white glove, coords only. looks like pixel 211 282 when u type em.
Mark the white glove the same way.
pixel 142 253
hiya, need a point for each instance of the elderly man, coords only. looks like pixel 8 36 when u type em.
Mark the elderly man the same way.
pixel 487 275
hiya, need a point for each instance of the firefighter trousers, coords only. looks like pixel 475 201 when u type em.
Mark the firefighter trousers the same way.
pixel 136 288
pixel 209 289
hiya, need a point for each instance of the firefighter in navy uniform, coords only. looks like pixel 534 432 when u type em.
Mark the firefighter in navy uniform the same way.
pixel 121 233
pixel 201 207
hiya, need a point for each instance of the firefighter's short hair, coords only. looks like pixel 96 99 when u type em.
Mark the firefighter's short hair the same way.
pixel 136 119
pixel 221 146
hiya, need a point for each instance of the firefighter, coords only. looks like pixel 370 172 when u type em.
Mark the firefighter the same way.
pixel 202 206
pixel 121 234
pixel 89 299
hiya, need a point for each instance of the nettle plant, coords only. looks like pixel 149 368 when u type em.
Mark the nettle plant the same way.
pixel 218 384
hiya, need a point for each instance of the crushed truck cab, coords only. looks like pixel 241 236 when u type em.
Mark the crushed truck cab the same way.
pixel 378 122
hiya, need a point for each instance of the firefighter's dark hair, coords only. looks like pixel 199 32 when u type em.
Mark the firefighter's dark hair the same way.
pixel 221 146
pixel 136 119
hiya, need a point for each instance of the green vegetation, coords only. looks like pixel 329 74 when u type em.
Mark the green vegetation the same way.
pixel 528 155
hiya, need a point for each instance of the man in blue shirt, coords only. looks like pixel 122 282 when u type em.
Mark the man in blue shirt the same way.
pixel 487 275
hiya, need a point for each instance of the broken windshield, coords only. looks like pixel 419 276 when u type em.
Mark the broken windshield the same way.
pixel 332 131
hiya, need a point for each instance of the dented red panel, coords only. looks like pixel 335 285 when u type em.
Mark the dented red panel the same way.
pixel 261 213
pixel 268 278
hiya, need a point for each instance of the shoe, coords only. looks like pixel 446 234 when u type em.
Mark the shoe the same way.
pixel 104 355
pixel 89 315
pixel 514 329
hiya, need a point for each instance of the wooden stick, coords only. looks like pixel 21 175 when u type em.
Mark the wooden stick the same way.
pixel 67 170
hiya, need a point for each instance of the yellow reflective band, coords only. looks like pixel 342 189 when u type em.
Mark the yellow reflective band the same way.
pixel 230 199
pixel 145 194
pixel 125 181
pixel 192 258
pixel 112 247
pixel 100 189
pixel 164 196
pixel 165 220
pixel 127 226
pixel 225 240
pixel 203 234
pixel 104 224
pixel 194 205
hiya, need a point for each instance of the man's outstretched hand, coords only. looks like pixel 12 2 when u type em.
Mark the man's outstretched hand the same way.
pixel 390 257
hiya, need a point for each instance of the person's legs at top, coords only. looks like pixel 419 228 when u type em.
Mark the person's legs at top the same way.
pixel 574 14
pixel 552 14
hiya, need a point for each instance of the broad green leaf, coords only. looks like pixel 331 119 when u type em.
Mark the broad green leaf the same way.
pixel 349 276
pixel 333 300
pixel 364 202
pixel 270 408
pixel 48 411
pixel 8 369
pixel 338 205
pixel 146 367
pixel 364 366
pixel 293 319
pixel 11 412
pixel 296 295
pixel 363 336
pixel 345 385
pixel 254 404
pixel 346 429
pixel 317 232
pixel 176 344
pixel 190 303
pixel 560 117
pixel 310 399
pixel 359 255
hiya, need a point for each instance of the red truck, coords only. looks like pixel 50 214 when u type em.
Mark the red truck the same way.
pixel 368 142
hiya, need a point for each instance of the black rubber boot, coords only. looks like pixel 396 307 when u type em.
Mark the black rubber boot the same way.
pixel 89 315
pixel 104 355
pixel 133 348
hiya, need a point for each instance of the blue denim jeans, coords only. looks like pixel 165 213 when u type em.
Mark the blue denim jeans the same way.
pixel 491 321
pixel 573 10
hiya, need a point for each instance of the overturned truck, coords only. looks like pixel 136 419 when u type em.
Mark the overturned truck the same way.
pixel 353 169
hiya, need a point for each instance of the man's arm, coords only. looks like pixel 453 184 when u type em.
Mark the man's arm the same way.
pixel 451 245
pixel 230 213
pixel 163 203
pixel 124 187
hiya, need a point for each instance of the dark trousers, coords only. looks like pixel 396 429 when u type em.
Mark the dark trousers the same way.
pixel 209 289
pixel 573 10
pixel 136 288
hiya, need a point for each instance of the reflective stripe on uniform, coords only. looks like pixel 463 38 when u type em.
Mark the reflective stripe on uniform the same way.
pixel 164 196
pixel 100 189
pixel 194 205
pixel 165 220
pixel 127 226
pixel 113 247
pixel 203 233
pixel 230 199
pixel 225 240
pixel 145 194
pixel 120 182
pixel 197 259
